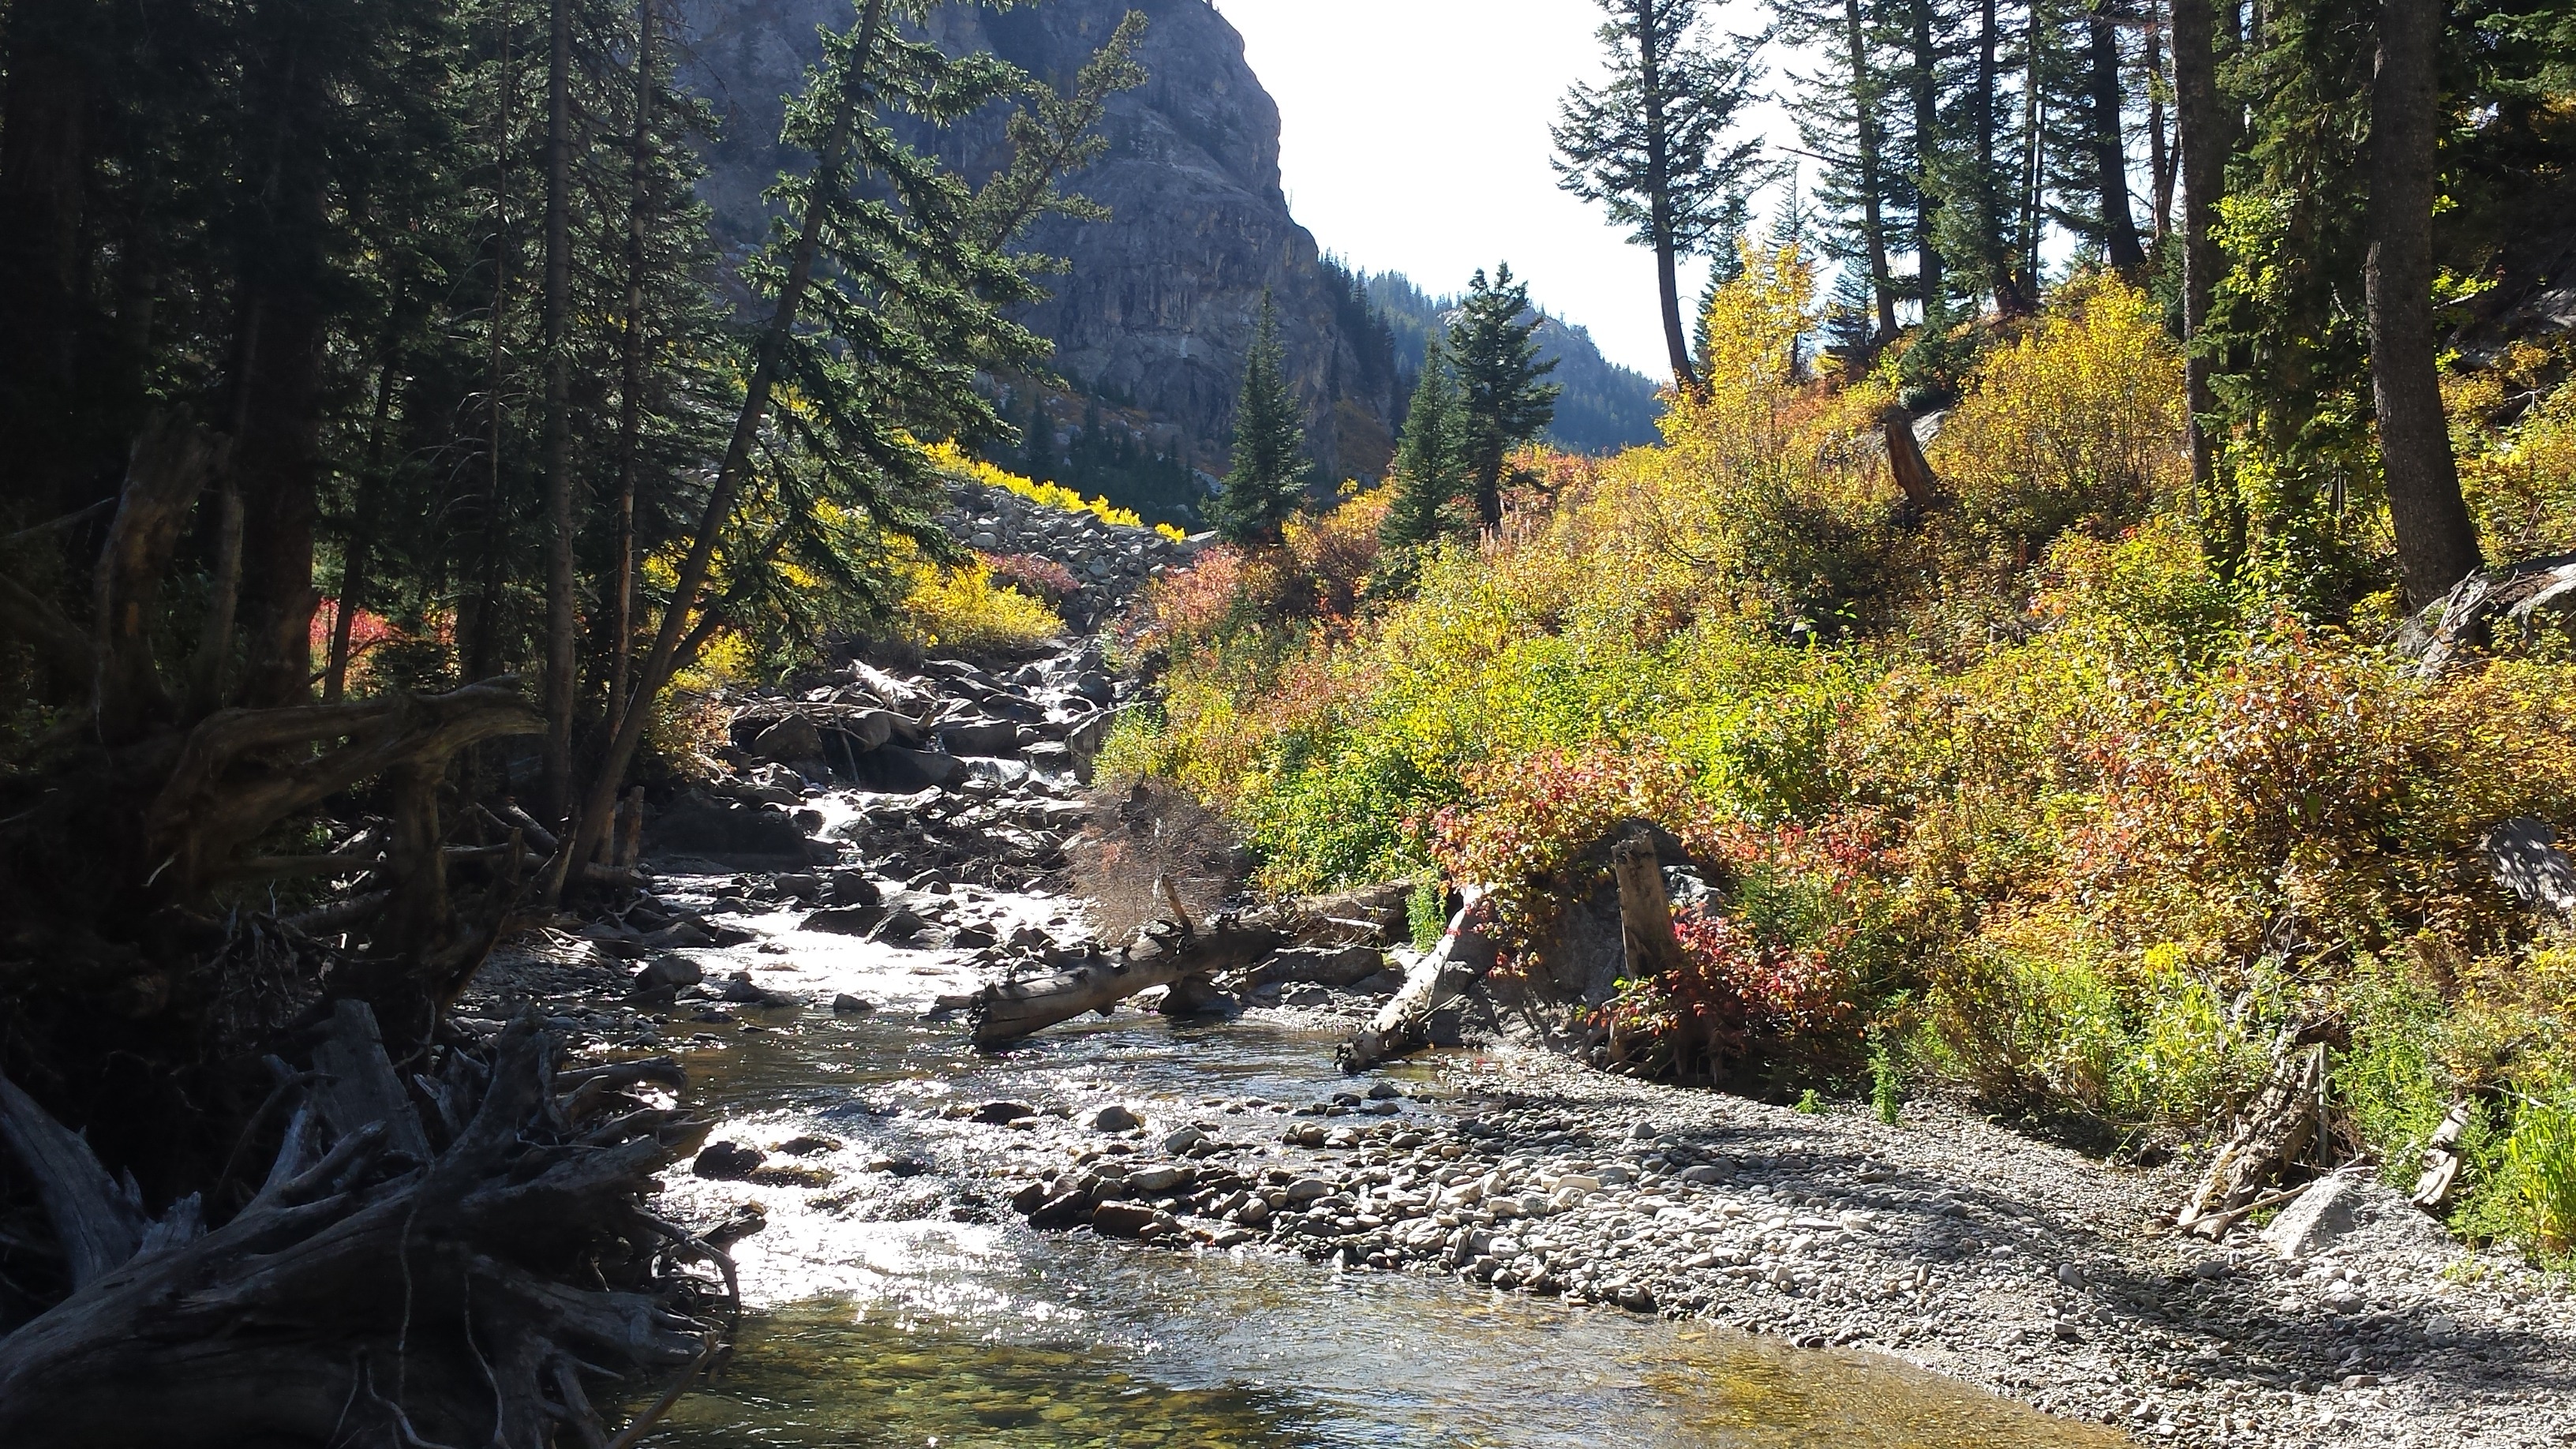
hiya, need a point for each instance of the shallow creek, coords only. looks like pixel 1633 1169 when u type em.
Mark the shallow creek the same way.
pixel 896 1301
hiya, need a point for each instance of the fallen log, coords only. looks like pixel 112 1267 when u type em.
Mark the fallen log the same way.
pixel 474 1293
pixel 1403 1025
pixel 1165 953
pixel 2276 1131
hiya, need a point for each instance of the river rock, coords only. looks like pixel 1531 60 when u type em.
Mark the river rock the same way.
pixel 1004 1112
pixel 847 1005
pixel 668 973
pixel 1123 1219
pixel 789 741
pixel 727 1162
pixel 1115 1118
pixel 843 920
pixel 2313 1220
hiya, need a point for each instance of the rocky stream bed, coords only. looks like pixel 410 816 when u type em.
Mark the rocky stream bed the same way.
pixel 820 999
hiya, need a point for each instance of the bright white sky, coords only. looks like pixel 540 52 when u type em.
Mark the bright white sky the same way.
pixel 1414 140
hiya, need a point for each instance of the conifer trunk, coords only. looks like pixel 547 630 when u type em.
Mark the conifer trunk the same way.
pixel 2437 544
pixel 1926 80
pixel 45 126
pixel 1659 162
pixel 277 364
pixel 2160 163
pixel 2203 131
pixel 2110 146
pixel 1872 171
pixel 560 663
pixel 630 402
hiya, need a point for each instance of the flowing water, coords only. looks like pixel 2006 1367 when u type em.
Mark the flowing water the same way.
pixel 889 1308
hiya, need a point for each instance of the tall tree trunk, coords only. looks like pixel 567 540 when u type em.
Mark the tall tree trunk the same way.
pixel 1866 101
pixel 277 364
pixel 2034 160
pixel 1926 80
pixel 357 551
pixel 561 686
pixel 2110 143
pixel 630 391
pixel 1659 161
pixel 2160 163
pixel 2204 131
pixel 1990 209
pixel 45 136
pixel 478 632
pixel 599 802
pixel 2437 545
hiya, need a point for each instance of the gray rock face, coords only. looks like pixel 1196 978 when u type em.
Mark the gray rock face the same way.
pixel 1160 304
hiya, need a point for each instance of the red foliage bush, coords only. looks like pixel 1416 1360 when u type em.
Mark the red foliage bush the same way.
pixel 1033 574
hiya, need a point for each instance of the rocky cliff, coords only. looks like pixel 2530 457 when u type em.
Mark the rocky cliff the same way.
pixel 1157 311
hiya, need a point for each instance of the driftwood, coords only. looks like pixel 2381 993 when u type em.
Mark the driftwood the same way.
pixel 2441 1168
pixel 464 1272
pixel 1403 1025
pixel 2276 1131
pixel 1166 954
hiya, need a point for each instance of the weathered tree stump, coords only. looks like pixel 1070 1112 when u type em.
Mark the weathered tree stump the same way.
pixel 2276 1131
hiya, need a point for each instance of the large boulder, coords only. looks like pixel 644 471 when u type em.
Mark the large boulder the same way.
pixel 2521 599
pixel 980 736
pixel 2525 859
pixel 788 741
pixel 713 830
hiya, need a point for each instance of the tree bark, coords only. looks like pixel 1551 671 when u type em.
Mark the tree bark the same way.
pixel 561 665
pixel 402 1277
pixel 2205 135
pixel 1989 203
pixel 1648 946
pixel 1659 160
pixel 2110 143
pixel 2437 544
pixel 46 124
pixel 630 390
pixel 1926 79
pixel 1865 100
pixel 2160 163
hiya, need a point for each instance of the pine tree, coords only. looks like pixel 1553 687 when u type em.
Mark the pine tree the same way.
pixel 1270 472
pixel 1502 401
pixel 1428 466
pixel 1651 144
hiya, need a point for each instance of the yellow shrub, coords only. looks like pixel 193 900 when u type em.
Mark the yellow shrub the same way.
pixel 692 721
pixel 959 462
pixel 962 608
pixel 2521 486
pixel 2077 424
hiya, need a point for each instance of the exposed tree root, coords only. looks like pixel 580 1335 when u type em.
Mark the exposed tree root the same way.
pixel 464 1270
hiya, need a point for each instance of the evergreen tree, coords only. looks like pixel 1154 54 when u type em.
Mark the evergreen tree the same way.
pixel 1502 402
pixel 1270 472
pixel 1429 471
pixel 1651 145
pixel 1844 119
